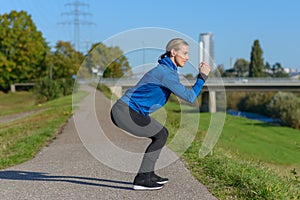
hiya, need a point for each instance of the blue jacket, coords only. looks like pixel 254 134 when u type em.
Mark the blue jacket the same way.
pixel 153 90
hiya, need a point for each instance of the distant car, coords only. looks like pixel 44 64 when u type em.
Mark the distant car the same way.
pixel 244 80
pixel 241 80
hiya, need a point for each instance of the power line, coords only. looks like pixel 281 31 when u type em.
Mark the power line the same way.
pixel 76 12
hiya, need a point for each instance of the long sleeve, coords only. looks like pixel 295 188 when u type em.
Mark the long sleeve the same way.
pixel 172 82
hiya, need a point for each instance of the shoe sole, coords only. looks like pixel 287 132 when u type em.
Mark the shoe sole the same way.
pixel 139 187
pixel 162 182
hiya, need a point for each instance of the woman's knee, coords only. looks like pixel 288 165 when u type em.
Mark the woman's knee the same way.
pixel 161 136
pixel 165 133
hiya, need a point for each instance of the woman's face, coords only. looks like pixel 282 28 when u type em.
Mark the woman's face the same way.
pixel 181 56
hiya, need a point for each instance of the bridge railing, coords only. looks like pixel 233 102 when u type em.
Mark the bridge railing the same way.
pixel 218 81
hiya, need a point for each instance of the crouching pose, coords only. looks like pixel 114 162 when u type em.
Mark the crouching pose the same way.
pixel 131 111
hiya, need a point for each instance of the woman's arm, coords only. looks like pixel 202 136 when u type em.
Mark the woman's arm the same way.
pixel 173 83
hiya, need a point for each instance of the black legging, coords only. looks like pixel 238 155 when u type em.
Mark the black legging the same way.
pixel 143 126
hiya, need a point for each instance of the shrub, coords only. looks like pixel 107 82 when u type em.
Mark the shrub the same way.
pixel 46 90
pixel 256 102
pixel 233 99
pixel 285 106
pixel 221 100
pixel 68 85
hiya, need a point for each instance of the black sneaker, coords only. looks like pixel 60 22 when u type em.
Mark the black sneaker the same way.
pixel 143 182
pixel 158 179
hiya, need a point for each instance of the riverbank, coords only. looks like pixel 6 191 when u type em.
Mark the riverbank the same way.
pixel 254 116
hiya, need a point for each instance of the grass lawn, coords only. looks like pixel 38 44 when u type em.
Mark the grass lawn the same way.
pixel 16 102
pixel 21 140
pixel 253 140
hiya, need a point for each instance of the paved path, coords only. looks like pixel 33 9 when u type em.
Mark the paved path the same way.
pixel 67 170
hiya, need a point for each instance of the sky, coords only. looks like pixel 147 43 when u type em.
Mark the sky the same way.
pixel 235 25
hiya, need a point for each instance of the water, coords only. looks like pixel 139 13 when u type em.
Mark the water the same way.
pixel 254 116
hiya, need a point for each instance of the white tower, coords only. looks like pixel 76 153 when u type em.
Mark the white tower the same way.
pixel 207 48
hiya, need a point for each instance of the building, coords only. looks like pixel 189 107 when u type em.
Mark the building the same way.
pixel 207 48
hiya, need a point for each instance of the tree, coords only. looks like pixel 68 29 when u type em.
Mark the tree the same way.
pixel 65 61
pixel 117 68
pixel 218 72
pixel 278 71
pixel 275 70
pixel 22 49
pixel 256 62
pixel 241 66
pixel 221 70
pixel 109 60
pixel 267 69
pixel 6 76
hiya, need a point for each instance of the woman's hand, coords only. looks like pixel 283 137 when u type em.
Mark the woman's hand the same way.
pixel 204 68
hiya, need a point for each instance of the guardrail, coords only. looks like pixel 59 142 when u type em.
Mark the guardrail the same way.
pixel 219 81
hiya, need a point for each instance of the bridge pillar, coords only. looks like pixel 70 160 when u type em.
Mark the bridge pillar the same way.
pixel 116 90
pixel 212 102
pixel 208 102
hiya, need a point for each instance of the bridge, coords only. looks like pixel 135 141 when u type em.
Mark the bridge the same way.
pixel 214 85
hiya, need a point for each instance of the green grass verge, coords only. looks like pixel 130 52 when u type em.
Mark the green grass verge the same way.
pixel 16 102
pixel 251 160
pixel 22 139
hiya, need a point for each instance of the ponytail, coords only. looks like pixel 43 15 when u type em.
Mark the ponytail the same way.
pixel 166 54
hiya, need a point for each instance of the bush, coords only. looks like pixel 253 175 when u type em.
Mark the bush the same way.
pixel 256 102
pixel 233 99
pixel 68 85
pixel 285 106
pixel 47 90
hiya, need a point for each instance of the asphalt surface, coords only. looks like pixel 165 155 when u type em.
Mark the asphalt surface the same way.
pixel 92 159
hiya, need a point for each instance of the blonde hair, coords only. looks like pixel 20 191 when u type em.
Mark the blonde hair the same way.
pixel 175 44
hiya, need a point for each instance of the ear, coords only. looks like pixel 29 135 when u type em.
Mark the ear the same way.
pixel 173 52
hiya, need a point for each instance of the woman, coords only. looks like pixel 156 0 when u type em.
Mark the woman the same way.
pixel 131 111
